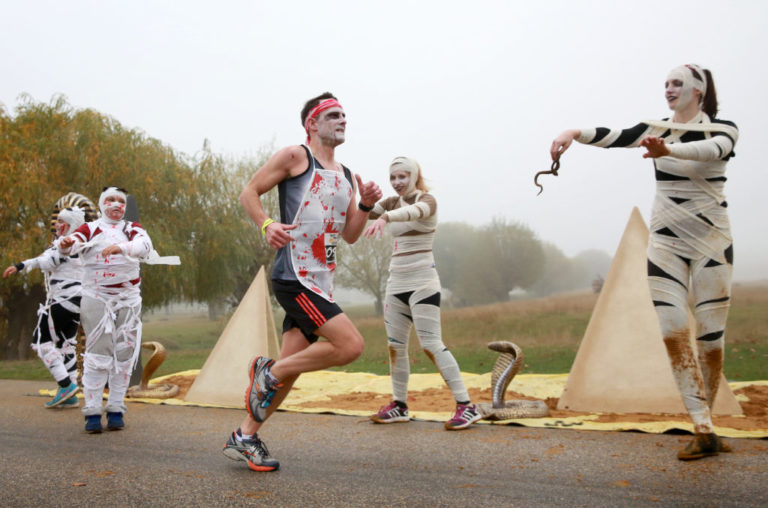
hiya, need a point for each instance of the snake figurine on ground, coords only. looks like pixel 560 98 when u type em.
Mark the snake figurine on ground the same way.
pixel 507 365
pixel 154 391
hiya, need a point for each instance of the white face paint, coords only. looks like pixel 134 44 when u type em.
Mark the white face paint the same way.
pixel 114 207
pixel 401 182
pixel 332 126
pixel 681 87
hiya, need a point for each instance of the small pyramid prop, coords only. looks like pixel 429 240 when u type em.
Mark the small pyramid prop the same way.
pixel 622 364
pixel 249 332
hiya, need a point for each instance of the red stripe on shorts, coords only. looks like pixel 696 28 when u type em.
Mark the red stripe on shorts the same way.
pixel 314 314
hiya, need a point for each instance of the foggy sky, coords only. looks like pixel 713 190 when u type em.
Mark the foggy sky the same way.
pixel 475 92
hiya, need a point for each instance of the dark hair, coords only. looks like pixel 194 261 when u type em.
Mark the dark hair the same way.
pixel 311 103
pixel 709 101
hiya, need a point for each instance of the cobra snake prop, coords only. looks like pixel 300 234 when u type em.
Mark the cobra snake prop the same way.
pixel 155 391
pixel 507 365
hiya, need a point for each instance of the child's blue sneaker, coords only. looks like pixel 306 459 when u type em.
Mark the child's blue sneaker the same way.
pixel 93 424
pixel 115 421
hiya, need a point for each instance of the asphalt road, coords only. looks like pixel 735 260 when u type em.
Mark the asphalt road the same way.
pixel 171 456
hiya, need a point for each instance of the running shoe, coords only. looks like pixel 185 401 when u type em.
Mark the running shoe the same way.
pixel 466 415
pixel 702 445
pixel 93 424
pixel 63 394
pixel 70 403
pixel 261 389
pixel 252 451
pixel 115 421
pixel 391 413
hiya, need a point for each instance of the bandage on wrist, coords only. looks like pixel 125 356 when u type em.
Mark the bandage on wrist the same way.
pixel 264 226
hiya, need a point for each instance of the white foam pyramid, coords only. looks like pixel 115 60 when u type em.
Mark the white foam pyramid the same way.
pixel 249 332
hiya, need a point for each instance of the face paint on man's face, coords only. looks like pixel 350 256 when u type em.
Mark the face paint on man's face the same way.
pixel 332 125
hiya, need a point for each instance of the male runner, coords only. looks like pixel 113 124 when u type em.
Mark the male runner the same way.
pixel 317 206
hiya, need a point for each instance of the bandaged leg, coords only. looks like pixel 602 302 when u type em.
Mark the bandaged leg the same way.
pixel 96 369
pixel 98 357
pixel 711 289
pixel 128 334
pixel 397 320
pixel 53 360
pixel 66 321
pixel 668 277
pixel 425 309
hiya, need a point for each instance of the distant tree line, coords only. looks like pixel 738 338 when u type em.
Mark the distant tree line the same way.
pixel 478 264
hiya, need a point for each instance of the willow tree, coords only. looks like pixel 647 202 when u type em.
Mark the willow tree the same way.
pixel 188 205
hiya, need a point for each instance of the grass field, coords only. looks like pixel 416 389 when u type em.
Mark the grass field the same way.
pixel 548 330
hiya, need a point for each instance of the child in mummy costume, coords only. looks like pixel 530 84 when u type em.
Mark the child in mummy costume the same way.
pixel 690 248
pixel 111 250
pixel 55 336
pixel 413 292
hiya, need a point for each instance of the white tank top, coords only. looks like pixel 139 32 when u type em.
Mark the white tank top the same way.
pixel 319 221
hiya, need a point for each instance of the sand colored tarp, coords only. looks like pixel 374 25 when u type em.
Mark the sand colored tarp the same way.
pixel 249 332
pixel 622 365
pixel 322 386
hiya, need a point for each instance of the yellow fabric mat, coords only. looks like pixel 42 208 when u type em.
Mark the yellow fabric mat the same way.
pixel 322 385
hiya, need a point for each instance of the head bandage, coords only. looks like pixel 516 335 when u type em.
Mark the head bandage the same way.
pixel 690 83
pixel 74 217
pixel 103 206
pixel 321 106
pixel 411 167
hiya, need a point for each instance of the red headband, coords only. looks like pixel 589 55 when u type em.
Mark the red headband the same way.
pixel 321 106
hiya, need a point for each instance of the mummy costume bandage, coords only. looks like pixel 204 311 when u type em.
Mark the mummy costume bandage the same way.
pixel 413 287
pixel 55 335
pixel 690 247
pixel 111 306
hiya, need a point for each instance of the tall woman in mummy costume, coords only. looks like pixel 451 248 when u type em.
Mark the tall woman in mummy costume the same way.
pixel 690 248
pixel 59 318
pixel 111 305
pixel 413 292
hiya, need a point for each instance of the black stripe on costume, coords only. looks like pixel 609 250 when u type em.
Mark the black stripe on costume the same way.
pixel 700 216
pixel 729 254
pixel 600 133
pixel 431 300
pixel 717 179
pixel 709 337
pixel 655 271
pixel 666 232
pixel 679 201
pixel 723 299
pixel 404 297
pixel 659 303
pixel 692 136
pixel 661 176
pixel 629 136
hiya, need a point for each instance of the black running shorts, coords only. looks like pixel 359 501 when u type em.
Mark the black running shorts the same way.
pixel 304 309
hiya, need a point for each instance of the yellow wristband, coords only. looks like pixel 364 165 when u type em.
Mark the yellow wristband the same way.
pixel 264 226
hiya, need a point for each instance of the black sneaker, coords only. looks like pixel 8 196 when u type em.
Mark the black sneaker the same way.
pixel 252 451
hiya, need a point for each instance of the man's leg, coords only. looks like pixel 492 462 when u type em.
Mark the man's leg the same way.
pixel 344 345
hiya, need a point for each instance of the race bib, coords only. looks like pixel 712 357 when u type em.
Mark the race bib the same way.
pixel 331 240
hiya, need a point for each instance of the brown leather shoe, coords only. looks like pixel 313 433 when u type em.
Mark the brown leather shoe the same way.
pixel 702 445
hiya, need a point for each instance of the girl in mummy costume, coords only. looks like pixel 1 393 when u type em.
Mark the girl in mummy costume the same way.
pixel 413 292
pixel 55 336
pixel 111 305
pixel 690 247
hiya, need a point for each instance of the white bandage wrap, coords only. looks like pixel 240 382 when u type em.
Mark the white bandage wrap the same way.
pixel 74 217
pixel 103 206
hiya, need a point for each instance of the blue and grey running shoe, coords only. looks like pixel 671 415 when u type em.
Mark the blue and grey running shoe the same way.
pixel 261 389
pixel 63 394
pixel 252 451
